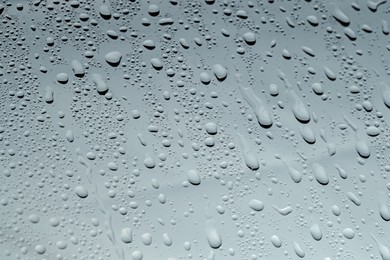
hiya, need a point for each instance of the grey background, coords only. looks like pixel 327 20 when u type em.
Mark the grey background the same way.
pixel 131 148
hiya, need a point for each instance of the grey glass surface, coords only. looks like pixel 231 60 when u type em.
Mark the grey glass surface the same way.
pixel 200 129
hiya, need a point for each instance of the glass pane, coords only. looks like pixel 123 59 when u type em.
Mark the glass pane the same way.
pixel 208 129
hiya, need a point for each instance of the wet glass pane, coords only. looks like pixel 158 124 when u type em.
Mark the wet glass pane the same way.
pixel 207 129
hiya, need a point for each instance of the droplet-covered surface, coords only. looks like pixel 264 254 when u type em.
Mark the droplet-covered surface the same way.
pixel 194 130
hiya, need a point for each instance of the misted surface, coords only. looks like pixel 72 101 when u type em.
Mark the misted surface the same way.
pixel 205 129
